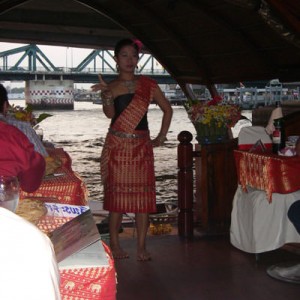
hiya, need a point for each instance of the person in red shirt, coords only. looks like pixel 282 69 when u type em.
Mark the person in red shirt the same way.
pixel 17 155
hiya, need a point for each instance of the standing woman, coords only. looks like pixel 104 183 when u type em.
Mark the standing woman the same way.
pixel 127 162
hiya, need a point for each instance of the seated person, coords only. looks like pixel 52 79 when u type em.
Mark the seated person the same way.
pixel 29 269
pixel 18 157
pixel 294 214
pixel 289 272
pixel 297 147
pixel 25 127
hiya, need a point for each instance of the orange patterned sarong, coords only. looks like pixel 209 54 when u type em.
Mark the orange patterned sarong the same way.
pixel 127 162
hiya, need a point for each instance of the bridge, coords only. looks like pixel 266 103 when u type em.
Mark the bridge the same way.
pixel 33 64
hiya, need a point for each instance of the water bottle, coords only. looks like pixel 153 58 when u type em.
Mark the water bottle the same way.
pixel 278 136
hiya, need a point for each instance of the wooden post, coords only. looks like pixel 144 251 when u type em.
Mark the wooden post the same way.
pixel 216 186
pixel 185 184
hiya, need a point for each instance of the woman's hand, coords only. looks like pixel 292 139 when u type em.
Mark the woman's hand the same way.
pixel 166 108
pixel 159 141
pixel 101 86
pixel 106 94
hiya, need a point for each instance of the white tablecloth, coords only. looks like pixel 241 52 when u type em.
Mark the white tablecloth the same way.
pixel 92 256
pixel 259 226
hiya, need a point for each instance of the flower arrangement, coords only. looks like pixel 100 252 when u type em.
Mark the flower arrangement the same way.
pixel 26 114
pixel 213 112
pixel 212 119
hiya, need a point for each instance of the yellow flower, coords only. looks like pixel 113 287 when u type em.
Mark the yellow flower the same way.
pixel 26 114
pixel 212 113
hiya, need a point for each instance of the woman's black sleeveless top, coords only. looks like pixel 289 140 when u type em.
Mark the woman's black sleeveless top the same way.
pixel 120 103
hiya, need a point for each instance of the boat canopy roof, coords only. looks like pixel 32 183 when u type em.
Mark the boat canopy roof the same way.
pixel 198 42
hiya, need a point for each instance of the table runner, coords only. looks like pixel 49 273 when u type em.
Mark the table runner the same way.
pixel 269 172
pixel 90 282
pixel 67 188
pixel 48 224
pixel 84 283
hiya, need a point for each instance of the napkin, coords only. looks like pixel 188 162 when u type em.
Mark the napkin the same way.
pixel 287 151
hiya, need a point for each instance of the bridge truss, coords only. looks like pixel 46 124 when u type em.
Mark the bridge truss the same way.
pixel 33 64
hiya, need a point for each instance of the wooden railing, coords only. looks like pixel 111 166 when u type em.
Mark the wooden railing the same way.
pixel 215 183
pixel 185 184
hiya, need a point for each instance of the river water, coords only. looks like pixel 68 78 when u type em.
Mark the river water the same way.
pixel 81 132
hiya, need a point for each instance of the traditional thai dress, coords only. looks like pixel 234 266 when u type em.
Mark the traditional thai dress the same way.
pixel 127 162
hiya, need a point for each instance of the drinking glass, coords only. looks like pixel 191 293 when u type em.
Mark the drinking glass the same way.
pixel 9 192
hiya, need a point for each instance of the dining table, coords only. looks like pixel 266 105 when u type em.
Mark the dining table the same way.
pixel 89 271
pixel 88 274
pixel 268 184
pixel 85 262
pixel 64 186
pixel 86 265
pixel 267 171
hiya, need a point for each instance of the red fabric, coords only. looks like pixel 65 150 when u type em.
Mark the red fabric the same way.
pixel 246 147
pixel 269 172
pixel 18 158
pixel 130 182
pixel 68 188
pixel 83 283
pixel 89 283
pixel 48 224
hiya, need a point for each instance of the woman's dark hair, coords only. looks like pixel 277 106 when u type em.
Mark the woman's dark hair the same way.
pixel 126 42
pixel 3 97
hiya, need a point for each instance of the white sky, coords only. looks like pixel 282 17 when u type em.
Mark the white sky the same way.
pixel 59 56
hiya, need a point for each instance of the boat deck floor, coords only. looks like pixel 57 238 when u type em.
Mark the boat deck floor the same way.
pixel 205 267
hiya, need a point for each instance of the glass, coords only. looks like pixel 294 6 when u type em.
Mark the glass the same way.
pixel 9 192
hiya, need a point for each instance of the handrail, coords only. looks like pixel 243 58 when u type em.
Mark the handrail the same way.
pixel 185 184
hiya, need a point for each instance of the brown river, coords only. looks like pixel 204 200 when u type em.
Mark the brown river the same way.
pixel 81 132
